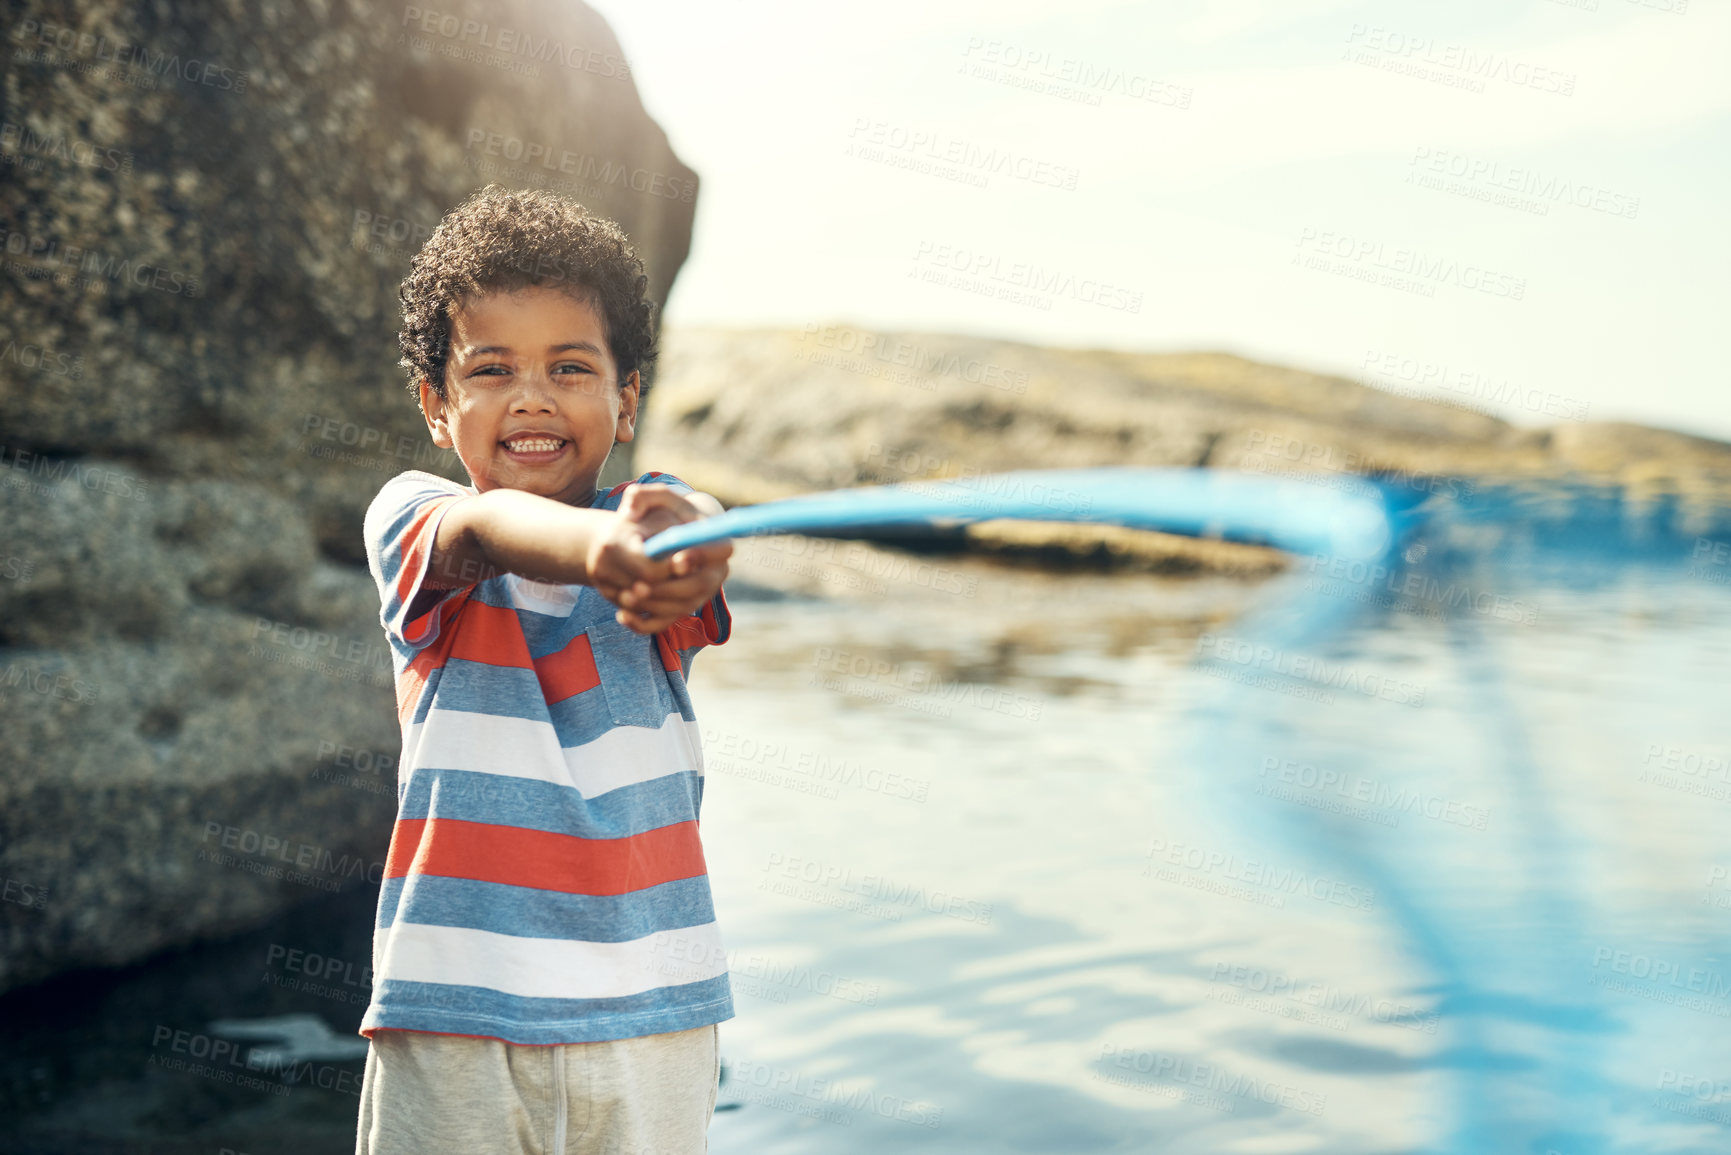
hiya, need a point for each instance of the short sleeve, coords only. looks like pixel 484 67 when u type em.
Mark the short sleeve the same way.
pixel 712 624
pixel 400 526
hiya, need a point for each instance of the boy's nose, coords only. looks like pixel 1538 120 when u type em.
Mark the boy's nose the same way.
pixel 532 395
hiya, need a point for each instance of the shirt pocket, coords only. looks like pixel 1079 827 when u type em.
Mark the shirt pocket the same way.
pixel 632 680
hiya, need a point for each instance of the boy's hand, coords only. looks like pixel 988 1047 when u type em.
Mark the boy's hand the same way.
pixel 616 562
pixel 655 508
pixel 649 604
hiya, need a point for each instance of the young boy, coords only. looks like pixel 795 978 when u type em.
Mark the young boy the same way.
pixel 546 848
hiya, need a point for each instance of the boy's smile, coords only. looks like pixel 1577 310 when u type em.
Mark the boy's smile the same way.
pixel 532 398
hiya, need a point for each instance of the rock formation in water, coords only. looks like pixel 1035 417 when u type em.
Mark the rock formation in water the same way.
pixel 206 214
pixel 757 414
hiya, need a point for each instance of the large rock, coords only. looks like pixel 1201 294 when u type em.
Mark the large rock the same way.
pixel 207 212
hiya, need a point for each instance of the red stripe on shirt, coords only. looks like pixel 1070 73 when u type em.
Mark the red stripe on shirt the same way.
pixel 514 856
pixel 419 545
pixel 481 633
pixel 441 611
pixel 684 634
pixel 491 635
pixel 568 672
pixel 412 683
pixel 691 633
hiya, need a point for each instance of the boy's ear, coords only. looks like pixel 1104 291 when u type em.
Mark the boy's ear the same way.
pixel 433 409
pixel 626 428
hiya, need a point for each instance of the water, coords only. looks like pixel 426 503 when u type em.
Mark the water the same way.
pixel 1434 861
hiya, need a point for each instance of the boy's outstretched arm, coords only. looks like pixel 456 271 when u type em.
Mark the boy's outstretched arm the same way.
pixel 512 531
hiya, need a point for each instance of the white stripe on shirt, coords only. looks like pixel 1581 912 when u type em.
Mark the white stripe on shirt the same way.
pixel 526 748
pixel 549 968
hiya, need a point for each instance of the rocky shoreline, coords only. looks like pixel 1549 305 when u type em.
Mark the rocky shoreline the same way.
pixel 754 415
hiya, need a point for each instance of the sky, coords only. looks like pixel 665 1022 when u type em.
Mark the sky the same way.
pixel 1517 204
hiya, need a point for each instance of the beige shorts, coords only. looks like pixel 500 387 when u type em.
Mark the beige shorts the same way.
pixel 427 1094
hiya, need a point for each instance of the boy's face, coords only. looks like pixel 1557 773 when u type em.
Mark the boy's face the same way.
pixel 532 398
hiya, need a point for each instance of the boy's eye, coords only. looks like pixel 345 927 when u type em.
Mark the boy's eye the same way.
pixel 570 367
pixel 491 371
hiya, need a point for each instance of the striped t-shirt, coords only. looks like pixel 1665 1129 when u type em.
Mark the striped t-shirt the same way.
pixel 545 882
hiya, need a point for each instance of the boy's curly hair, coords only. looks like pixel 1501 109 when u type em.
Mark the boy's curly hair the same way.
pixel 502 240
